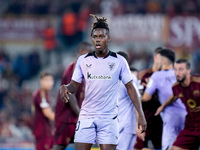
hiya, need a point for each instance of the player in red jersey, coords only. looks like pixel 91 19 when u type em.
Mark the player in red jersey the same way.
pixel 66 114
pixel 43 113
pixel 187 88
pixel 154 128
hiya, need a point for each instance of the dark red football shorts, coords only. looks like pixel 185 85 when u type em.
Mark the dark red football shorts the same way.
pixel 43 143
pixel 64 132
pixel 188 139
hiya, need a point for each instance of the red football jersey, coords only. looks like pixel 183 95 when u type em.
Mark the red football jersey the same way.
pixel 190 96
pixel 41 124
pixel 63 112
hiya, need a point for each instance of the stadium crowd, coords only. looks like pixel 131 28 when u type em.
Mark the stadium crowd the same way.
pixel 58 7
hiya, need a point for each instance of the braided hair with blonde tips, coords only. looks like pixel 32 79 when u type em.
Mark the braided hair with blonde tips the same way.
pixel 102 22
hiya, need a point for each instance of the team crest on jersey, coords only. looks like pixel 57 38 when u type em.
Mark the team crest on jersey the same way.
pixel 180 95
pixel 89 65
pixel 111 65
pixel 196 93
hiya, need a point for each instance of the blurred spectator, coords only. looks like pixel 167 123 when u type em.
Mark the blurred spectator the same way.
pixel 21 68
pixel 42 6
pixel 70 28
pixel 196 61
pixel 153 7
pixel 34 62
pixel 104 6
pixel 50 42
pixel 4 60
pixel 4 87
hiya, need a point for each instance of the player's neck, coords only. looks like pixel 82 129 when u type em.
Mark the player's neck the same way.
pixel 102 53
pixel 186 82
pixel 167 67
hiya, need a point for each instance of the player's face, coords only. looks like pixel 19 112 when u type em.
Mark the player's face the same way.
pixel 181 71
pixel 158 61
pixel 100 39
pixel 47 83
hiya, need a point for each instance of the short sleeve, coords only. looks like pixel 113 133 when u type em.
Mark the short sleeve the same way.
pixel 125 73
pixel 151 86
pixel 136 88
pixel 135 84
pixel 77 74
pixel 44 103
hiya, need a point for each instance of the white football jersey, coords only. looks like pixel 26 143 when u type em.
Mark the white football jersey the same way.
pixel 102 79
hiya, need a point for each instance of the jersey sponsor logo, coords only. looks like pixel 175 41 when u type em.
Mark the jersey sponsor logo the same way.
pixel 191 103
pixel 98 77
pixel 196 109
pixel 111 65
pixel 196 93
pixel 89 65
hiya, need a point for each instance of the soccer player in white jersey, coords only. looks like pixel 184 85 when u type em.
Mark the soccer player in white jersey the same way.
pixel 161 81
pixel 126 115
pixel 102 71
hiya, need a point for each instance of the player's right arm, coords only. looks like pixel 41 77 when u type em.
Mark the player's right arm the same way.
pixel 170 100
pixel 69 89
pixel 135 100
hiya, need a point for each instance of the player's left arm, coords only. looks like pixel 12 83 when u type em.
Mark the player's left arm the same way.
pixel 169 101
pixel 135 100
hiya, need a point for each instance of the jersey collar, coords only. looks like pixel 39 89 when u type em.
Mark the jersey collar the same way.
pixel 110 53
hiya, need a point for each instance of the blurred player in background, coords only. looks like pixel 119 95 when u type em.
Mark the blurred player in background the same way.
pixel 187 88
pixel 126 115
pixel 66 114
pixel 154 128
pixel 134 71
pixel 161 81
pixel 102 71
pixel 43 113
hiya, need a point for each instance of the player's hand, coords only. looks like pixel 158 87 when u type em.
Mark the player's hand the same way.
pixel 159 110
pixel 147 81
pixel 139 134
pixel 142 124
pixel 64 94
